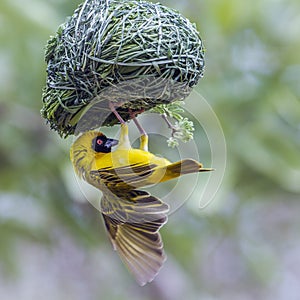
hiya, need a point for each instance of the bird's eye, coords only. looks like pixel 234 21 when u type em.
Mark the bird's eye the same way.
pixel 99 142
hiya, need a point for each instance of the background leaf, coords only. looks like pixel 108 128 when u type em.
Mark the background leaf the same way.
pixel 244 245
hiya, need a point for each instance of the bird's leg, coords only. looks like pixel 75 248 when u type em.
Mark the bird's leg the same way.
pixel 144 142
pixel 144 135
pixel 133 117
pixel 124 142
pixel 112 107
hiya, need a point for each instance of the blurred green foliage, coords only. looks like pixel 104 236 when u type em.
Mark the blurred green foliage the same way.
pixel 243 245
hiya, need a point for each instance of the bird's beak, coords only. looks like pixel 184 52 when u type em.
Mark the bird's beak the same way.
pixel 110 143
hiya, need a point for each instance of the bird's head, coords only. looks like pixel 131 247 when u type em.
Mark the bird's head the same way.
pixel 102 144
pixel 86 147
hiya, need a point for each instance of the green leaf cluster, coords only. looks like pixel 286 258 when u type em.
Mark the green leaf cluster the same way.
pixel 182 129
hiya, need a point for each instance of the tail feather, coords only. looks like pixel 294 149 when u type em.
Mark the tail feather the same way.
pixel 185 166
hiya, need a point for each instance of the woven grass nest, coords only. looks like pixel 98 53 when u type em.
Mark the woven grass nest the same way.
pixel 134 53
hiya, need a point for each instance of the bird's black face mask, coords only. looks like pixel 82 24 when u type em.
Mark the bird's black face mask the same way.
pixel 103 144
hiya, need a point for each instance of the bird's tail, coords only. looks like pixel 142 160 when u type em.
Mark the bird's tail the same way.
pixel 182 167
pixel 133 226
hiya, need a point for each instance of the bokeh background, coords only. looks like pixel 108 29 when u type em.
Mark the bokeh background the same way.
pixel 244 245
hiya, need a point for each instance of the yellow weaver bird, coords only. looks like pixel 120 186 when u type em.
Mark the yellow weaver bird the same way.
pixel 132 216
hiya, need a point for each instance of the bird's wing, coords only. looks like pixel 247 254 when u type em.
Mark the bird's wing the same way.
pixel 139 175
pixel 125 177
pixel 132 220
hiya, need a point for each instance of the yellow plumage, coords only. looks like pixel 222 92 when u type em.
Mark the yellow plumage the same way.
pixel 132 217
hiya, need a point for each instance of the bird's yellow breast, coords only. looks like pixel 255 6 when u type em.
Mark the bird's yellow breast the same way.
pixel 120 158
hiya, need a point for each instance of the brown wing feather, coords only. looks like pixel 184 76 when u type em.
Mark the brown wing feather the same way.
pixel 136 176
pixel 126 177
pixel 132 221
